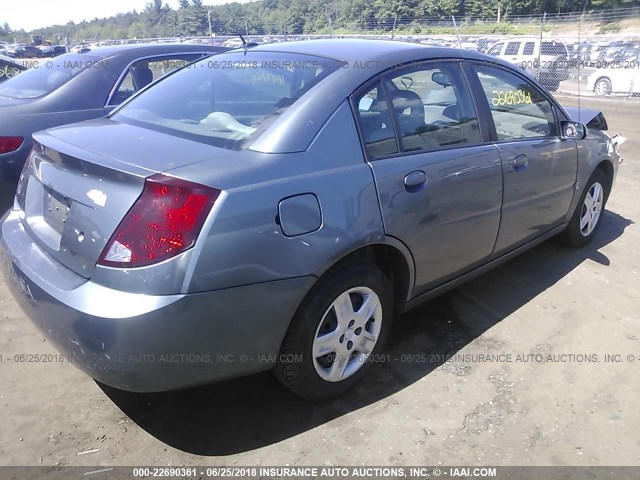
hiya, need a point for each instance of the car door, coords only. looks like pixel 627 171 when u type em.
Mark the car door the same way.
pixel 439 183
pixel 539 168
pixel 144 71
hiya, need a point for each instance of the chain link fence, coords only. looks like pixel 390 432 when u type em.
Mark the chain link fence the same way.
pixel 589 65
pixel 579 53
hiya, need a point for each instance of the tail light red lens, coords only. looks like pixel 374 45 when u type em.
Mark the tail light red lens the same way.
pixel 10 144
pixel 165 221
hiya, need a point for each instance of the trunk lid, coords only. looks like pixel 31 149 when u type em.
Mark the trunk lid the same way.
pixel 82 179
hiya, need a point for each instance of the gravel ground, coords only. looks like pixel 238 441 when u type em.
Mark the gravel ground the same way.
pixel 572 307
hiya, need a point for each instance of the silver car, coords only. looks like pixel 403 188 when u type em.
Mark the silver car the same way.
pixel 275 207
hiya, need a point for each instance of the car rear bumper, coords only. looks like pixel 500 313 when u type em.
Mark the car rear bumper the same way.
pixel 148 343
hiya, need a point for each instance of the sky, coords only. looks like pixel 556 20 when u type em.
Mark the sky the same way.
pixel 32 14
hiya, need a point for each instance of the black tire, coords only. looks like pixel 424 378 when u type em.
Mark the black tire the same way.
pixel 296 368
pixel 605 86
pixel 573 236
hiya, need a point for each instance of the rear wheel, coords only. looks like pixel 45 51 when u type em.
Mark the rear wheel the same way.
pixel 602 86
pixel 343 321
pixel 586 218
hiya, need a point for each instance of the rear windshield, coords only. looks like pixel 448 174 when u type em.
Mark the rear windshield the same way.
pixel 552 48
pixel 47 77
pixel 227 99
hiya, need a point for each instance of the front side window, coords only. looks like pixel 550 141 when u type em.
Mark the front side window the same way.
pixel 225 99
pixel 519 109
pixel 512 48
pixel 8 70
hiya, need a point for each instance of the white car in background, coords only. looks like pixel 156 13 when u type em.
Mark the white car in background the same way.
pixel 621 76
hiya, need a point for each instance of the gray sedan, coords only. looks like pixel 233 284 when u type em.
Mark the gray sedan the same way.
pixel 276 207
pixel 76 87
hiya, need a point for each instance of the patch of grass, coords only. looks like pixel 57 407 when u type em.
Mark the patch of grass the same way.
pixel 613 27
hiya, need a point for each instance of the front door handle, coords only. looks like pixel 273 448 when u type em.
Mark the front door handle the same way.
pixel 520 163
pixel 415 181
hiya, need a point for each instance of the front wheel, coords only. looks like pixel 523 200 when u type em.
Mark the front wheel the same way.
pixel 586 218
pixel 602 86
pixel 342 322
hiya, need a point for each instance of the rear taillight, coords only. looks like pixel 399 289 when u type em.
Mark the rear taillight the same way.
pixel 165 221
pixel 10 144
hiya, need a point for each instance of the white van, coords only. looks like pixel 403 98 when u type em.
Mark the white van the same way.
pixel 549 58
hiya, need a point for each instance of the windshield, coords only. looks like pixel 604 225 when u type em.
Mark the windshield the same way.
pixel 225 99
pixel 49 76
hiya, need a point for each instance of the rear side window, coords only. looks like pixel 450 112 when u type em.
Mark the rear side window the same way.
pixel 429 105
pixel 528 48
pixel 553 48
pixel 519 109
pixel 432 108
pixel 376 125
pixel 512 48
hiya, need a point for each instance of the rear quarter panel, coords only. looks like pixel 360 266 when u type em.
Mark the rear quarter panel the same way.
pixel 242 242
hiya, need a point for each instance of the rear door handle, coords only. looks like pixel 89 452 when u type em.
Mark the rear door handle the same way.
pixel 520 163
pixel 415 181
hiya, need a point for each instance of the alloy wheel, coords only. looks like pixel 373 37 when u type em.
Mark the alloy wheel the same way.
pixel 347 334
pixel 591 209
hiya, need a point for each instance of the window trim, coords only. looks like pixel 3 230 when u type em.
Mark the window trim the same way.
pixel 485 133
pixel 125 71
pixel 477 90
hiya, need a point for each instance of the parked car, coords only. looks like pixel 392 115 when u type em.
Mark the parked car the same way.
pixel 618 76
pixel 77 87
pixel 81 48
pixel 25 51
pixel 52 50
pixel 547 59
pixel 275 207
pixel 9 68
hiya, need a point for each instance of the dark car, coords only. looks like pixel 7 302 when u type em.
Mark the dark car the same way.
pixel 27 51
pixel 75 87
pixel 9 68
pixel 274 208
pixel 52 50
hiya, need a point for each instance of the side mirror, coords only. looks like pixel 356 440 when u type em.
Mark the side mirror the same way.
pixel 572 130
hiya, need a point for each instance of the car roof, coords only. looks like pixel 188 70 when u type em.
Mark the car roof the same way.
pixel 291 131
pixel 354 50
pixel 147 49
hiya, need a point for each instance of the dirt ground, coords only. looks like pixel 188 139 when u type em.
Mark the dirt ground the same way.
pixel 571 307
